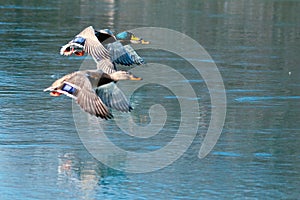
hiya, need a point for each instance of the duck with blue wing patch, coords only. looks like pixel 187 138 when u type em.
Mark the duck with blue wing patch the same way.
pixel 81 85
pixel 103 45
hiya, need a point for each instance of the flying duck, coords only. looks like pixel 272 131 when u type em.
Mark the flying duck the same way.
pixel 103 45
pixel 80 85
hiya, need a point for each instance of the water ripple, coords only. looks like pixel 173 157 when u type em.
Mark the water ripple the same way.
pixel 257 98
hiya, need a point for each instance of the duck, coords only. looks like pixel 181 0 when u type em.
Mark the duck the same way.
pixel 104 47
pixel 82 85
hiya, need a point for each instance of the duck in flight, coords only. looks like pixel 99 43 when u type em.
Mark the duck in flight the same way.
pixel 105 48
pixel 80 85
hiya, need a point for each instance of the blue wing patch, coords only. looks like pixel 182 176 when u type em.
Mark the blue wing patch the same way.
pixel 79 40
pixel 68 88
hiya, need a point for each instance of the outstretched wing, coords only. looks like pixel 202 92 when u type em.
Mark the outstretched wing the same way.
pixel 87 98
pixel 92 44
pixel 123 55
pixel 133 55
pixel 106 66
pixel 113 97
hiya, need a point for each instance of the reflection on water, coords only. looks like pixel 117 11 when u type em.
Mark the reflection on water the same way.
pixel 255 45
pixel 83 175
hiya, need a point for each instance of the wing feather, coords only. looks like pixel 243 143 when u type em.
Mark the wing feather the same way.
pixel 118 54
pixel 87 98
pixel 133 55
pixel 113 97
pixel 106 66
pixel 92 44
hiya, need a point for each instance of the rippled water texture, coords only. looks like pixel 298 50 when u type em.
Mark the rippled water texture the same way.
pixel 255 45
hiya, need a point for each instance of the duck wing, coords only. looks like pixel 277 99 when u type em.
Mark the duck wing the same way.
pixel 134 56
pixel 113 97
pixel 106 66
pixel 86 97
pixel 123 55
pixel 92 44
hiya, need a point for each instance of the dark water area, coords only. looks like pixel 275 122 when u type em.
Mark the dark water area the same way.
pixel 255 45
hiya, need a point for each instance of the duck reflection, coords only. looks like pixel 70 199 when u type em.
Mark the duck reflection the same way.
pixel 82 176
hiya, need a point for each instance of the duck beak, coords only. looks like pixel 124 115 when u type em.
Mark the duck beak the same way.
pixel 134 78
pixel 144 42
pixel 137 40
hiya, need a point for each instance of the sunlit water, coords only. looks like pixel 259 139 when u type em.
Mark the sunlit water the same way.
pixel 256 47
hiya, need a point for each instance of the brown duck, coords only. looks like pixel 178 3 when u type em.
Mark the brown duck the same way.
pixel 80 85
pixel 104 47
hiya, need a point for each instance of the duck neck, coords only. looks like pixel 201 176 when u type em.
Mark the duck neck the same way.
pixel 104 38
pixel 105 79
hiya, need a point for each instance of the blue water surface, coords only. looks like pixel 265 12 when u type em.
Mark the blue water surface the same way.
pixel 255 45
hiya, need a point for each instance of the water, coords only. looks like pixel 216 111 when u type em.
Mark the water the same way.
pixel 255 45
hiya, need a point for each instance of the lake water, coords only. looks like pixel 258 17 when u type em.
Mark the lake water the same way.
pixel 255 45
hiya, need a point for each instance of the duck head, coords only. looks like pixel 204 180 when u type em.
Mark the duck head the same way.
pixel 127 37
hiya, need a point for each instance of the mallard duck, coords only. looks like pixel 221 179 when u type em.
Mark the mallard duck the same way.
pixel 127 37
pixel 102 45
pixel 80 85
